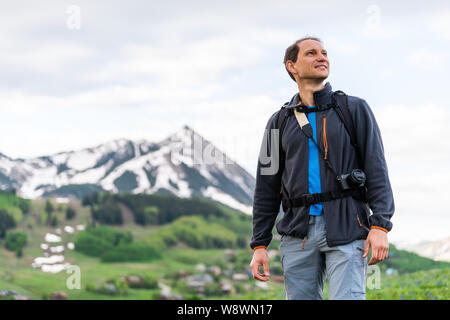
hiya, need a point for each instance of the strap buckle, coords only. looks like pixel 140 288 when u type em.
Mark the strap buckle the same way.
pixel 311 199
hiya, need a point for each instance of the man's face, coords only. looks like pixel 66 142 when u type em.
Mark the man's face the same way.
pixel 312 61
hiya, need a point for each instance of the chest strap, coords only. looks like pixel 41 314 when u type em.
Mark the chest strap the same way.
pixel 309 199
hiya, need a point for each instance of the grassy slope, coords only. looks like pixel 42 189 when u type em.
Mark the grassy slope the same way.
pixel 421 285
pixel 17 273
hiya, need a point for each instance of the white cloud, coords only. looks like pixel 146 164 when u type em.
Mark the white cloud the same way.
pixel 191 63
pixel 416 133
pixel 341 46
pixel 22 47
pixel 418 156
pixel 440 23
pixel 47 58
pixel 378 25
pixel 237 125
pixel 426 60
pixel 19 102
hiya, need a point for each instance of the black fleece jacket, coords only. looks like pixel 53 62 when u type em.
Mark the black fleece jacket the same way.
pixel 343 216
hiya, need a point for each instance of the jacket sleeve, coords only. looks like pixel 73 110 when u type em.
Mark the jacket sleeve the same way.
pixel 267 197
pixel 380 196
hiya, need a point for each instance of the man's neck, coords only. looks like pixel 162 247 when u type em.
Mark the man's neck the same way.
pixel 306 89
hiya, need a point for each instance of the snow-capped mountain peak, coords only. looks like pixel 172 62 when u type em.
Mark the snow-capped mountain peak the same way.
pixel 184 164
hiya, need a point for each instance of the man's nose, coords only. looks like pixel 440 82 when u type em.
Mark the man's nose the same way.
pixel 322 57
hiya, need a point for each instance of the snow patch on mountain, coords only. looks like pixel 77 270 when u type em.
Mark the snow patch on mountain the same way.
pixel 93 176
pixel 220 196
pixel 184 164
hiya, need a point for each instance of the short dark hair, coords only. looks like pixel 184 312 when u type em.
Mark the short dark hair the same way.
pixel 292 52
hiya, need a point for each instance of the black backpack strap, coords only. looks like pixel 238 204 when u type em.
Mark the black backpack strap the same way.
pixel 341 107
pixel 309 199
pixel 281 123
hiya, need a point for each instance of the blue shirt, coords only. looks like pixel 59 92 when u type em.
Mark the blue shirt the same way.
pixel 313 166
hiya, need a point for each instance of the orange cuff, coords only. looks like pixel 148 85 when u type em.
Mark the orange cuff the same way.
pixel 259 247
pixel 380 228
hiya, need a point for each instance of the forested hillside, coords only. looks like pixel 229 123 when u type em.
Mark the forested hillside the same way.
pixel 160 247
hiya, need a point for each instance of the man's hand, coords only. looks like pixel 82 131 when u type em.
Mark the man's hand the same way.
pixel 260 258
pixel 378 241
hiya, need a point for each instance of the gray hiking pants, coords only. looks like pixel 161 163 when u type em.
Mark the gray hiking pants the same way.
pixel 304 269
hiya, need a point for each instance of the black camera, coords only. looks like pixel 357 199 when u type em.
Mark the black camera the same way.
pixel 354 180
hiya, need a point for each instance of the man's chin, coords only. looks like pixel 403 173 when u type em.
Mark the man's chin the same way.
pixel 322 76
pixel 317 78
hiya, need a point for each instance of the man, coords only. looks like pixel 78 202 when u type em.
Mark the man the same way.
pixel 331 236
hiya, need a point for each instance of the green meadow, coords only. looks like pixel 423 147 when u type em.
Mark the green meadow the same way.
pixel 159 247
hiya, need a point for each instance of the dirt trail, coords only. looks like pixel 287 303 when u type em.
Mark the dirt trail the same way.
pixel 127 214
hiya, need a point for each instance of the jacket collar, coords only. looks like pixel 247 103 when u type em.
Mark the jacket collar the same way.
pixel 321 97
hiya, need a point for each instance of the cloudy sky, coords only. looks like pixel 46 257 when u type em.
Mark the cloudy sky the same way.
pixel 80 73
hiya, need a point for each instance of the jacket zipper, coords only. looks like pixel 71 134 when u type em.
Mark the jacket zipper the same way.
pixel 325 142
pixel 307 186
pixel 361 225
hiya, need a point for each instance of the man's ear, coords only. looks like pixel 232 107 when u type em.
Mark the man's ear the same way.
pixel 290 66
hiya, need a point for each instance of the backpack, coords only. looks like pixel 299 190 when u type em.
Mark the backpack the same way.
pixel 340 105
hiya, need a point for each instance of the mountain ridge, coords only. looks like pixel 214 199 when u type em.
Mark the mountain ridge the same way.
pixel 438 250
pixel 184 164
